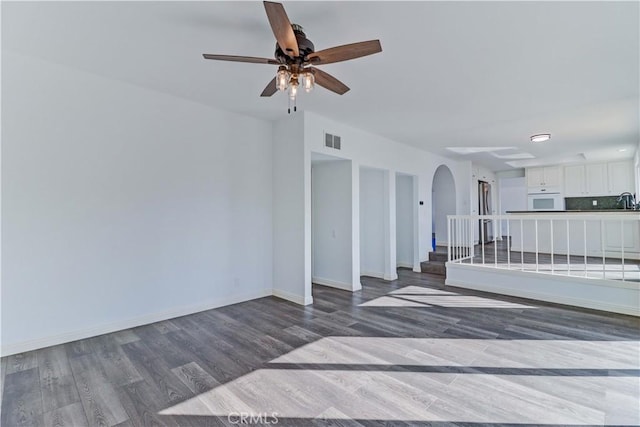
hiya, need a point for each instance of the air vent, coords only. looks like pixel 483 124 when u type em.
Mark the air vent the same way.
pixel 332 141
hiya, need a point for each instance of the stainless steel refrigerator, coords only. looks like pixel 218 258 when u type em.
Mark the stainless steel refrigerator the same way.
pixel 484 208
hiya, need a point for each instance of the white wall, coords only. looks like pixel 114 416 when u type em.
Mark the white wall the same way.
pixel 331 224
pixel 372 222
pixel 122 205
pixel 443 202
pixel 291 227
pixel 405 206
pixel 375 151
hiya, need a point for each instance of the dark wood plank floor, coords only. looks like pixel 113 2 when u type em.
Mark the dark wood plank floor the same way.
pixel 408 352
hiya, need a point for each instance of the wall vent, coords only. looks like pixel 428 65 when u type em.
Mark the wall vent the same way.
pixel 332 141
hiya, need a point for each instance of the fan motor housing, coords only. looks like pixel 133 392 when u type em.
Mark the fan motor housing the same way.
pixel 305 46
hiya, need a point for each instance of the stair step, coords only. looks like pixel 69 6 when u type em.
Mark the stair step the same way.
pixel 434 267
pixel 438 256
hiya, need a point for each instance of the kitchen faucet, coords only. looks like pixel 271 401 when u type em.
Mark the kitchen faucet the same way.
pixel 628 199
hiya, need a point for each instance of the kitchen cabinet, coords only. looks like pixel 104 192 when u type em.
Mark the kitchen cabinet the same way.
pixel 574 182
pixel 543 177
pixel 620 177
pixel 596 179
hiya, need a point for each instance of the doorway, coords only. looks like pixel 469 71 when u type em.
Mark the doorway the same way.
pixel 443 203
pixel 406 221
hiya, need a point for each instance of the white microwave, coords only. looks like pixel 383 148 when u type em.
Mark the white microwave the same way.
pixel 545 202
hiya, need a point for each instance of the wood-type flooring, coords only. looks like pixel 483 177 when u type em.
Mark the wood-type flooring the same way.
pixel 407 352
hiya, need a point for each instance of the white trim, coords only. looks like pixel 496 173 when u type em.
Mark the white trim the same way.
pixel 377 275
pixel 404 264
pixel 392 277
pixel 298 299
pixel 20 347
pixel 336 284
pixel 560 295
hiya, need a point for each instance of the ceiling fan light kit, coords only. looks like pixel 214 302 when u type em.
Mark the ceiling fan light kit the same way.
pixel 296 58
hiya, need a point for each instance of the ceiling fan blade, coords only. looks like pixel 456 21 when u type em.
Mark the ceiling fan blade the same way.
pixel 327 81
pixel 270 89
pixel 345 52
pixel 234 58
pixel 281 27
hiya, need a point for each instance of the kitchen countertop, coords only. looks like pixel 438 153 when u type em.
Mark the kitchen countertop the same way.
pixel 594 211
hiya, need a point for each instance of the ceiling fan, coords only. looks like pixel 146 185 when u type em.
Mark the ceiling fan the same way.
pixel 296 58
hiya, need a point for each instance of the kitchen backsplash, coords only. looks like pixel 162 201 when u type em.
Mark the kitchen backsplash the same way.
pixel 586 203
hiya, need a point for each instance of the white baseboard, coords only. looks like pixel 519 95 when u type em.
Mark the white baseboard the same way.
pixel 298 299
pixel 92 331
pixel 375 274
pixel 391 277
pixel 404 264
pixel 333 283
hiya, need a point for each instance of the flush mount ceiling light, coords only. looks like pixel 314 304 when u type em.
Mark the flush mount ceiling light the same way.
pixel 542 137
pixel 622 150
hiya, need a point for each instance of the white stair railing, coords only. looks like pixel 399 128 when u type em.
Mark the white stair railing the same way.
pixel 590 245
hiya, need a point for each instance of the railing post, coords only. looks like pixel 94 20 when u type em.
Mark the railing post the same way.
pixel 584 235
pixel 568 252
pixel 536 229
pixel 604 258
pixel 495 245
pixel 482 236
pixel 449 238
pixel 622 245
pixel 472 249
pixel 508 245
pixel 551 231
pixel 521 244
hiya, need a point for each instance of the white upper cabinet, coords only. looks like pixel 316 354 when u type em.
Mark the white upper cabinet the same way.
pixel 596 179
pixel 574 182
pixel 548 176
pixel 535 177
pixel 552 176
pixel 620 177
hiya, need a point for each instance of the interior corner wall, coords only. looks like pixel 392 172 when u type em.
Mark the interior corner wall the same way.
pixel 372 222
pixel 123 206
pixel 291 257
pixel 331 223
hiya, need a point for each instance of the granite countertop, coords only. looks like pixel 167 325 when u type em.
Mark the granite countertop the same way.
pixel 592 211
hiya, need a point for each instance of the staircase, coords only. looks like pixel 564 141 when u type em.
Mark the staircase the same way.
pixel 436 262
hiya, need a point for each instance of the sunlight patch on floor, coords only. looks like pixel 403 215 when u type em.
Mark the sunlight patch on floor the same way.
pixel 410 396
pixel 540 354
pixel 439 379
pixel 390 301
pixel 414 296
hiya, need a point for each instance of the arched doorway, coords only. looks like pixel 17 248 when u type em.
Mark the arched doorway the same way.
pixel 443 203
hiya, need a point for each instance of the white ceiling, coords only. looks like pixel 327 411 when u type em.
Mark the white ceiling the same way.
pixel 451 74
